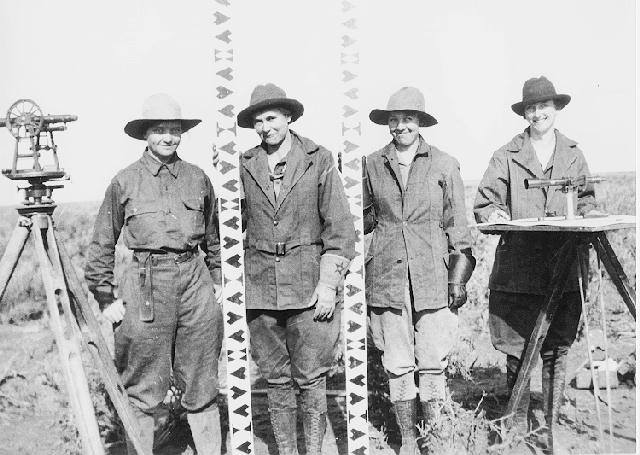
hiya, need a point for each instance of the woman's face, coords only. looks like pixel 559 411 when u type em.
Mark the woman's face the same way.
pixel 404 126
pixel 541 116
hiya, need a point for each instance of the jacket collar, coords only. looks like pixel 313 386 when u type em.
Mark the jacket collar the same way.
pixel 390 154
pixel 154 165
pixel 563 156
pixel 299 158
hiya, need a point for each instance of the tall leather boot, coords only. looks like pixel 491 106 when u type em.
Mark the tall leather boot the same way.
pixel 283 412
pixel 314 418
pixel 518 421
pixel 406 416
pixel 146 423
pixel 554 368
pixel 205 430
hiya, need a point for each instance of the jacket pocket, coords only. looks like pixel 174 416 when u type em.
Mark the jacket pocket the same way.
pixel 141 219
pixel 194 220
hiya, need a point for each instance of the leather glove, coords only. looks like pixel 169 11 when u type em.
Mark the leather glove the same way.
pixel 324 299
pixel 457 295
pixel 460 269
pixel 332 271
pixel 114 312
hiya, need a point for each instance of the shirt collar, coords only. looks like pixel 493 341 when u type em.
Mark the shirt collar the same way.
pixel 154 165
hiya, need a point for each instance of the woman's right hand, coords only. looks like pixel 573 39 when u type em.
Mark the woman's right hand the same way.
pixel 498 216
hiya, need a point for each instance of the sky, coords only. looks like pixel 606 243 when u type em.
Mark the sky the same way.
pixel 100 60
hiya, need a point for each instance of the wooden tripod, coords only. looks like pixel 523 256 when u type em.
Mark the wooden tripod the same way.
pixel 73 324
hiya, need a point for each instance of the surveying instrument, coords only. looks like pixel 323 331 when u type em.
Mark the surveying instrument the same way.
pixel 71 318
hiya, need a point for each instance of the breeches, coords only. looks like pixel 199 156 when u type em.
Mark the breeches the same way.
pixel 184 338
pixel 512 318
pixel 411 340
pixel 289 345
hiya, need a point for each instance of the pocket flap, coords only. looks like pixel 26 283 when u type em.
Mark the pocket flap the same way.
pixel 193 203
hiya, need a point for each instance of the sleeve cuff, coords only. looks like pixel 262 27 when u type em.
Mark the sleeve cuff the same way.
pixel 104 296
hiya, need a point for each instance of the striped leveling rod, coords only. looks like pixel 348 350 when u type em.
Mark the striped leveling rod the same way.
pixel 231 251
pixel 354 299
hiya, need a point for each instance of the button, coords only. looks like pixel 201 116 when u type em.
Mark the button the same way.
pixel 399 261
pixel 275 222
pixel 404 223
pixel 277 258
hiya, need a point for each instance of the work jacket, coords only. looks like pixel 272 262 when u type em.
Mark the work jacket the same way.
pixel 415 227
pixel 524 260
pixel 158 207
pixel 285 237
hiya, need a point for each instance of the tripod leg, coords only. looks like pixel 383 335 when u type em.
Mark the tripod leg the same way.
pixel 99 349
pixel 12 253
pixel 69 348
pixel 615 271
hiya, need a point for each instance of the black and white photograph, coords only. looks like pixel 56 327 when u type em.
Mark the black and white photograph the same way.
pixel 352 227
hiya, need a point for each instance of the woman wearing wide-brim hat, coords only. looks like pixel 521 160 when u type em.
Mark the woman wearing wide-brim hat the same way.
pixel 419 259
pixel 523 265
pixel 168 319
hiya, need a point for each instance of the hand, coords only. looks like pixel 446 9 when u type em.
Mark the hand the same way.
pixel 457 295
pixel 498 216
pixel 114 312
pixel 215 156
pixel 595 214
pixel 324 298
pixel 218 291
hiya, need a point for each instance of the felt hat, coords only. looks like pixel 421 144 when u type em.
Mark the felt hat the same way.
pixel 405 99
pixel 536 90
pixel 265 97
pixel 158 108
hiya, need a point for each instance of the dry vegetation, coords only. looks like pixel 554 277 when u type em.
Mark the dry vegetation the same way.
pixel 32 390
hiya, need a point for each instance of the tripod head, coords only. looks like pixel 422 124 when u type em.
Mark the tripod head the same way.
pixel 33 133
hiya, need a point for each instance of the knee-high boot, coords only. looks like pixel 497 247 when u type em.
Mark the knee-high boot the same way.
pixel 314 418
pixel 406 416
pixel 554 367
pixel 283 412
pixel 205 430
pixel 518 421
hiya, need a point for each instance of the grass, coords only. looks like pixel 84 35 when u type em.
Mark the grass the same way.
pixel 476 414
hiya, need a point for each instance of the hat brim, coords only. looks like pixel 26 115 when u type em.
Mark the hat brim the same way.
pixel 381 117
pixel 137 128
pixel 245 117
pixel 560 100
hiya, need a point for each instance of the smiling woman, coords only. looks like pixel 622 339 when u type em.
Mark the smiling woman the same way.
pixel 524 261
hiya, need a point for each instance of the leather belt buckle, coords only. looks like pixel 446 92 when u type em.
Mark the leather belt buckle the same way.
pixel 281 248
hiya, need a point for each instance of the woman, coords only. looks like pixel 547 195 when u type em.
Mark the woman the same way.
pixel 524 261
pixel 419 259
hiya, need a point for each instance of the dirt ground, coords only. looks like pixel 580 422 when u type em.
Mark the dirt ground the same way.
pixel 35 417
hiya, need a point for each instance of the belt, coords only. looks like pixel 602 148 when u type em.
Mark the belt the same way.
pixel 280 248
pixel 156 257
pixel 147 259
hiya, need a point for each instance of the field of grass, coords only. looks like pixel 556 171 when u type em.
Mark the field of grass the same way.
pixel 32 390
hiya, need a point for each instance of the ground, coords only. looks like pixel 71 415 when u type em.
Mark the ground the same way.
pixel 35 416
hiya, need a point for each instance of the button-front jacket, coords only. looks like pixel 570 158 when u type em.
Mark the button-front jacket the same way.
pixel 523 261
pixel 415 226
pixel 157 207
pixel 286 235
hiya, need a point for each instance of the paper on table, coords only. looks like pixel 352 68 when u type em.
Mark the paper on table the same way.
pixel 579 221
